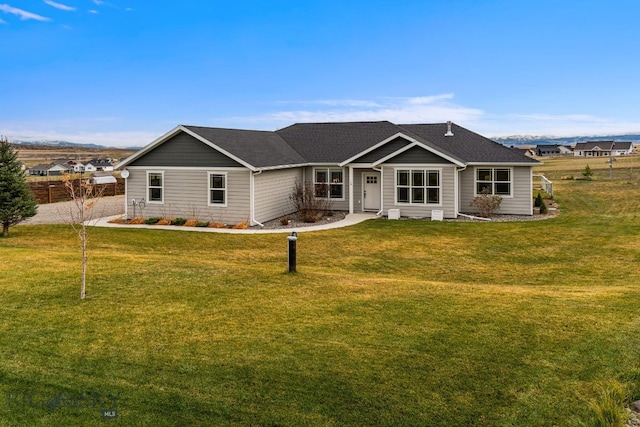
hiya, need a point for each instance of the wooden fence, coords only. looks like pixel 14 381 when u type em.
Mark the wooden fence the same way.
pixel 55 191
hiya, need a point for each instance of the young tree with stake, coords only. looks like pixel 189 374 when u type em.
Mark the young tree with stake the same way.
pixel 84 196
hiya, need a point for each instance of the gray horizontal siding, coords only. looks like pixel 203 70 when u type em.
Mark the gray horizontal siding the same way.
pixel 520 204
pixel 186 195
pixel 447 192
pixel 272 191
pixel 185 150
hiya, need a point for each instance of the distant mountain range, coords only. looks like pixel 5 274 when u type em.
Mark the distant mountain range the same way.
pixel 567 140
pixel 56 144
pixel 513 140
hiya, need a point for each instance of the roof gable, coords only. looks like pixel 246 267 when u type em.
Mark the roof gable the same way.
pixel 182 149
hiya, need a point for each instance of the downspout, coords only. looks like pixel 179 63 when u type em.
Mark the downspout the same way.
pixel 350 189
pixel 252 206
pixel 381 191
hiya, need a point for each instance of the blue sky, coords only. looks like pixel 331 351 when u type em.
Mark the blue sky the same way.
pixel 123 72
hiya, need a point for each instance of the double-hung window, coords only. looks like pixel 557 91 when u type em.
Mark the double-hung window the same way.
pixel 418 186
pixel 495 180
pixel 155 187
pixel 329 183
pixel 217 188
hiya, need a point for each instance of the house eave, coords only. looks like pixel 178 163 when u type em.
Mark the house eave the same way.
pixel 538 163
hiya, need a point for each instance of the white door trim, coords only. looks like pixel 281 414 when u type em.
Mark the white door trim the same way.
pixel 374 194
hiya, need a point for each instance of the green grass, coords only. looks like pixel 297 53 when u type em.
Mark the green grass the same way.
pixel 385 323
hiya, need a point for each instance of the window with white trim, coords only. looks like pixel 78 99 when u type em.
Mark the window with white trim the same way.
pixel 155 187
pixel 328 183
pixel 217 188
pixel 418 186
pixel 495 180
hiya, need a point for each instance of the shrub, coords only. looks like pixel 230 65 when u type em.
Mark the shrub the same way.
pixel 152 220
pixel 538 202
pixel 587 173
pixel 486 203
pixel 543 207
pixel 164 221
pixel 137 220
pixel 285 220
pixel 216 224
pixel 178 221
pixel 202 224
pixel 243 225
pixel 309 207
pixel 118 220
pixel 191 223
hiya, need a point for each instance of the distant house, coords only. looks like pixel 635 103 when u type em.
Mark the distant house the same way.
pixel 413 170
pixel 74 165
pixel 544 150
pixel 51 169
pixel 602 149
pixel 94 165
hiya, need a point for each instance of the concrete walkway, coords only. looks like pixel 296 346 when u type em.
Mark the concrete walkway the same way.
pixel 350 219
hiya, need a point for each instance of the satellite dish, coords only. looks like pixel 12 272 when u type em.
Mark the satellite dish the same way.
pixel 124 174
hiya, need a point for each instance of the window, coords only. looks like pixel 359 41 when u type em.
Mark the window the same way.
pixel 496 181
pixel 217 188
pixel 155 187
pixel 418 186
pixel 329 183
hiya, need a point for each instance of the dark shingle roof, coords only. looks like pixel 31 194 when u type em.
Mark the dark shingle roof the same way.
pixel 258 148
pixel 467 145
pixel 335 142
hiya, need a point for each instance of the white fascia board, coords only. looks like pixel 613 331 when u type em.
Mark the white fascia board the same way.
pixel 189 168
pixel 376 146
pixel 423 146
pixel 278 167
pixel 148 147
pixel 498 164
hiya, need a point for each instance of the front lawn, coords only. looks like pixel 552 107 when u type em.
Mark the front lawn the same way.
pixel 385 323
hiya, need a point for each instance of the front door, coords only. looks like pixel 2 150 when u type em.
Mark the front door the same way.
pixel 371 191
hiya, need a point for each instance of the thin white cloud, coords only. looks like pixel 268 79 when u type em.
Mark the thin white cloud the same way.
pixel 425 109
pixel 433 109
pixel 60 6
pixel 93 11
pixel 2 21
pixel 98 2
pixel 23 14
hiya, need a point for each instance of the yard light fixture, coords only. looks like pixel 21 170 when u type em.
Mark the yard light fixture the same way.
pixel 292 251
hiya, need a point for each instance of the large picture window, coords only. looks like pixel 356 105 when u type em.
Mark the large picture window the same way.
pixel 495 180
pixel 418 186
pixel 217 188
pixel 329 183
pixel 155 187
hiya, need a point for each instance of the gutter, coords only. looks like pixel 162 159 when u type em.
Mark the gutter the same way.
pixel 252 201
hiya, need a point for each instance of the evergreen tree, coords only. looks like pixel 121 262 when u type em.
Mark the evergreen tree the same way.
pixel 16 200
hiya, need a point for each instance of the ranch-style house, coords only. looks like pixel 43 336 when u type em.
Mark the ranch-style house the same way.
pixel 417 170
